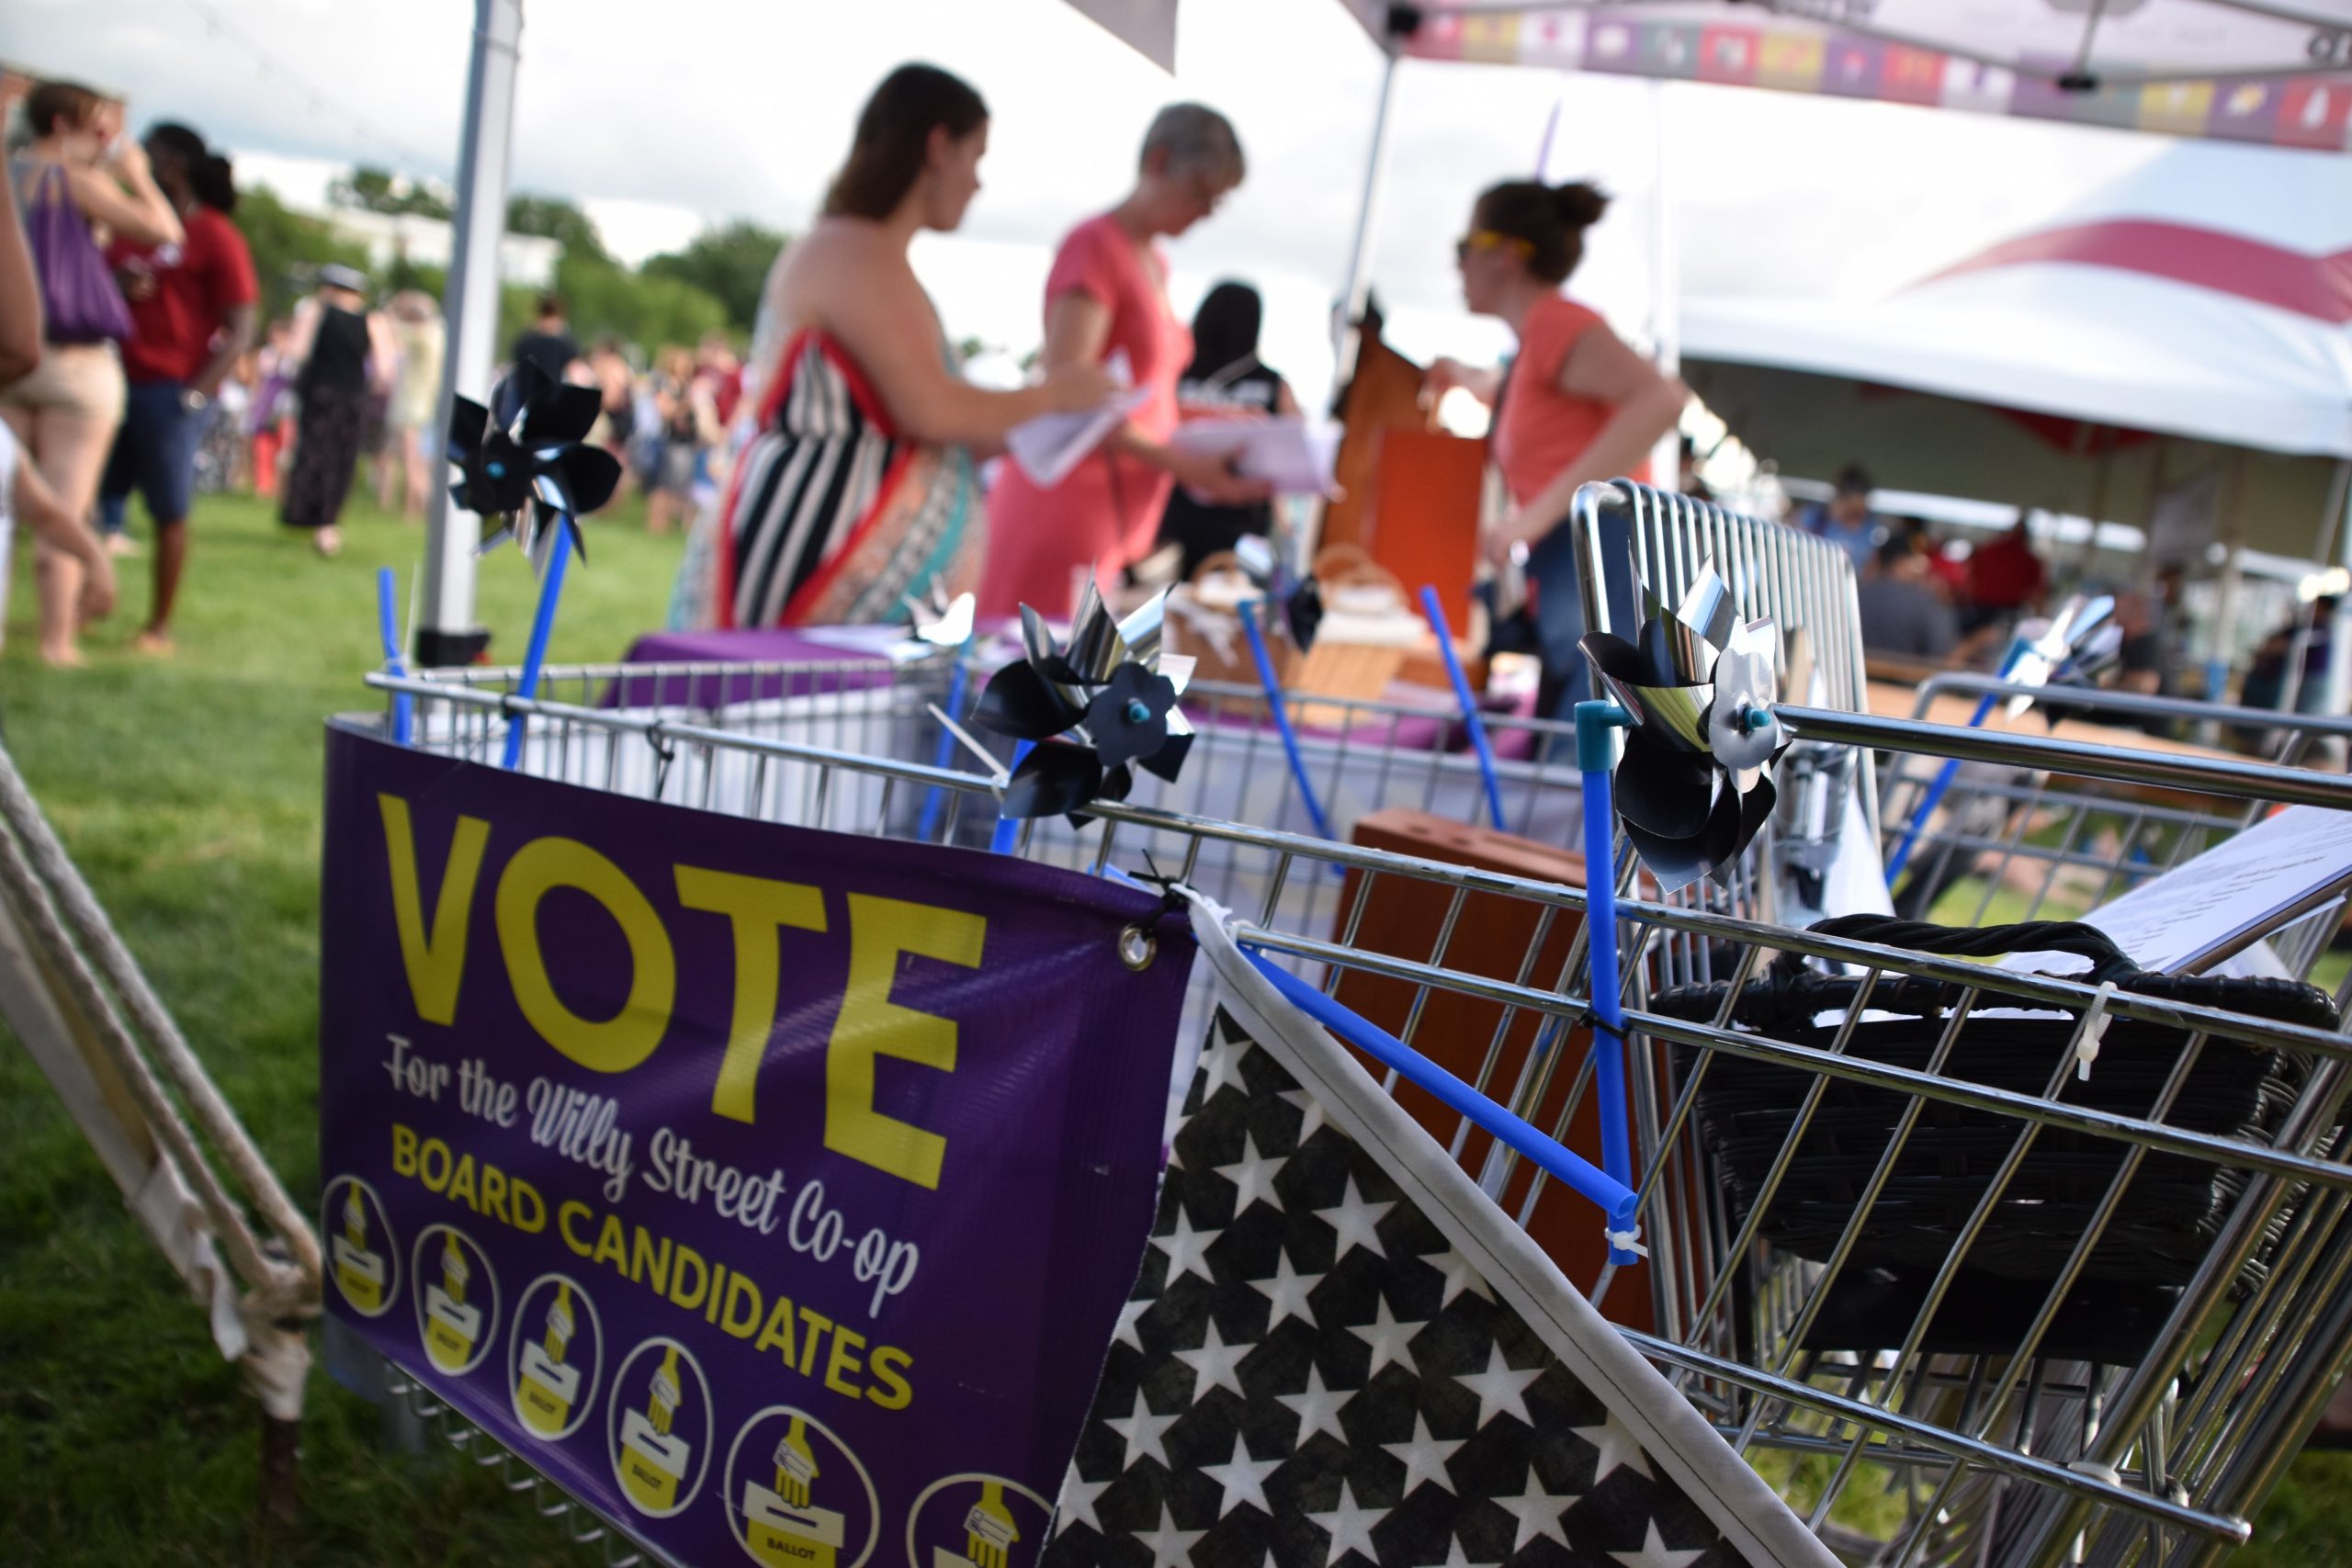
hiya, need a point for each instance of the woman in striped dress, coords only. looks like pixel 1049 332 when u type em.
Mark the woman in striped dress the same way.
pixel 860 486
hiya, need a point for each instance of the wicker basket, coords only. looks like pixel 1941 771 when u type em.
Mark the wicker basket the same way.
pixel 2168 1218
pixel 1210 634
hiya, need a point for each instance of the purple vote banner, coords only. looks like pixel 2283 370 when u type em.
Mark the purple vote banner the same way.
pixel 774 1191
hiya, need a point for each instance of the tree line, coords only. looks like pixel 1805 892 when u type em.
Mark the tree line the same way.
pixel 712 284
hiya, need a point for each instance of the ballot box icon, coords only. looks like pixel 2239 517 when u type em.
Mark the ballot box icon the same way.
pixel 654 1457
pixel 652 1463
pixel 452 1324
pixel 544 1391
pixel 452 1329
pixel 359 1273
pixel 785 1537
pixel 546 1387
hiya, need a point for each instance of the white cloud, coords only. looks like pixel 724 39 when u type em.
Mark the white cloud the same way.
pixel 635 230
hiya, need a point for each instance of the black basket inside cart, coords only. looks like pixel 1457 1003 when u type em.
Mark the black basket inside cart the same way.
pixel 2163 1225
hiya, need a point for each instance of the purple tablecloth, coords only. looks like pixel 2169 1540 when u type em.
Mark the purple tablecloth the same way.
pixel 831 669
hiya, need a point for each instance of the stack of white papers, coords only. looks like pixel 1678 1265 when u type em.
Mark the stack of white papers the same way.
pixel 1287 451
pixel 2209 914
pixel 1050 445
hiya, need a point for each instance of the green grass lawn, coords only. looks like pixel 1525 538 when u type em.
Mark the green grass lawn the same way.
pixel 188 791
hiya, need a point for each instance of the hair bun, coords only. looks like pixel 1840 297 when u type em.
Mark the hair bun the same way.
pixel 1580 203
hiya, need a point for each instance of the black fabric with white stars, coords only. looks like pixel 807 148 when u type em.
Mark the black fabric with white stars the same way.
pixel 1308 1374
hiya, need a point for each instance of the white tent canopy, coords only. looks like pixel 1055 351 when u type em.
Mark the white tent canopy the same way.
pixel 2034 371
pixel 2268 71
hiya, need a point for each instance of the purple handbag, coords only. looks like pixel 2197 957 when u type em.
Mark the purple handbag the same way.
pixel 78 294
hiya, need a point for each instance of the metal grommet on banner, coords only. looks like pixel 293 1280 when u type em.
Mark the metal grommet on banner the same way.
pixel 1139 943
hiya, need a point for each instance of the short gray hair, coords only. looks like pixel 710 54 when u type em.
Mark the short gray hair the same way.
pixel 1197 140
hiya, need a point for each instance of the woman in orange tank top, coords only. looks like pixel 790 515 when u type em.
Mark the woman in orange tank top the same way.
pixel 1573 405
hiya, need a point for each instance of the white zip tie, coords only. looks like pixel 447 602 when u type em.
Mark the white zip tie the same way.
pixel 2095 1022
pixel 2096 1470
pixel 1626 1241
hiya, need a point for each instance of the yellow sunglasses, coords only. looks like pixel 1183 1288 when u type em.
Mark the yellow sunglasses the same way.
pixel 1481 239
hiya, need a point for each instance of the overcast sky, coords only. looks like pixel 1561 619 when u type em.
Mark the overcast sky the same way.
pixel 662 116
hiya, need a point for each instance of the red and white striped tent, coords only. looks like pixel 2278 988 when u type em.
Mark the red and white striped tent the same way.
pixel 2194 315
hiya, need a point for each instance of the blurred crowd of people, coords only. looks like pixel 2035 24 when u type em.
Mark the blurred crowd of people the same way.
pixel 144 292
pixel 1930 601
pixel 341 388
pixel 153 377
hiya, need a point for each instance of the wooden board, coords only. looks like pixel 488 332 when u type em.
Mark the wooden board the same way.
pixel 1890 701
pixel 1402 918
pixel 1955 707
pixel 1424 516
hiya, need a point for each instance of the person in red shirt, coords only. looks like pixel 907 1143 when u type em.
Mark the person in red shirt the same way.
pixel 191 316
pixel 716 367
pixel 2004 578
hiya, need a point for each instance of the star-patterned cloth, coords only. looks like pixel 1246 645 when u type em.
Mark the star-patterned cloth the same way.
pixel 1312 1371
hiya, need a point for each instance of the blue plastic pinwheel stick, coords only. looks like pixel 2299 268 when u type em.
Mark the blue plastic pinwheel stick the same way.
pixel 1616 1198
pixel 1949 771
pixel 1596 755
pixel 1008 829
pixel 1471 720
pixel 388 623
pixel 1251 628
pixel 535 656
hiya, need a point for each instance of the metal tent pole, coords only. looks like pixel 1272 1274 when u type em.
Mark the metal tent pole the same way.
pixel 2217 668
pixel 2340 646
pixel 1375 180
pixel 446 631
pixel 1666 281
pixel 2307 614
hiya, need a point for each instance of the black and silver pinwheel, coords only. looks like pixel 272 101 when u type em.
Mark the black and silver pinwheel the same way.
pixel 1094 708
pixel 530 466
pixel 1300 599
pixel 1697 685
pixel 2072 647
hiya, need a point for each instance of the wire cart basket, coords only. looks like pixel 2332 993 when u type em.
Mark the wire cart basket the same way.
pixel 1961 1397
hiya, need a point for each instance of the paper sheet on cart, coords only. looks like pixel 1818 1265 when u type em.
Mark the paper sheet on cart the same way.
pixel 2240 890
pixel 1050 445
pixel 874 641
pixel 1287 451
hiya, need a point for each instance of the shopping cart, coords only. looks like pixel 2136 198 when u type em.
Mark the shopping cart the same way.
pixel 2087 1418
pixel 2019 843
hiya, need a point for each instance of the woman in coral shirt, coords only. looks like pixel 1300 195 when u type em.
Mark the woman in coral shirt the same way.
pixel 1573 405
pixel 1108 294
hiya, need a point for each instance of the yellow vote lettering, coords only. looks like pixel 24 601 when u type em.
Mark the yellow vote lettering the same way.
pixel 608 1045
pixel 435 957
pixel 756 908
pixel 872 1025
pixel 888 1369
